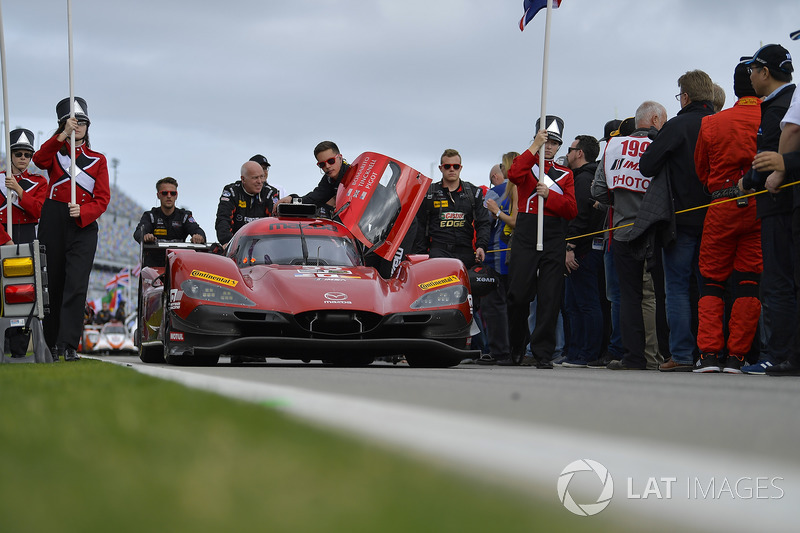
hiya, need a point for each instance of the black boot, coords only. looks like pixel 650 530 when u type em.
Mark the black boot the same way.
pixel 71 354
pixel 56 351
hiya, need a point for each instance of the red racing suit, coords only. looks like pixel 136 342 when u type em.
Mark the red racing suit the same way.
pixel 731 240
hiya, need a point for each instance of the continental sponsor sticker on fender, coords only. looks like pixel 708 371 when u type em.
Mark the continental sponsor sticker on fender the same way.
pixel 213 277
pixel 438 282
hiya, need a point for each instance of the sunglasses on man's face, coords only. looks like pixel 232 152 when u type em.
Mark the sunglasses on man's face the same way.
pixel 23 154
pixel 168 193
pixel 330 161
pixel 447 166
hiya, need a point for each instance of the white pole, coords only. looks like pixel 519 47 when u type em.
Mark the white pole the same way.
pixel 7 132
pixel 543 115
pixel 72 171
pixel 129 302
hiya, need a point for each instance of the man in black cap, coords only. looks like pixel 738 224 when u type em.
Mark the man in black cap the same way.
pixel 532 273
pixel 28 192
pixel 784 165
pixel 771 75
pixel 609 129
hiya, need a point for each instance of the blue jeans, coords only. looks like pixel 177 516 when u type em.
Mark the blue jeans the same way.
pixel 680 264
pixel 583 309
pixel 615 350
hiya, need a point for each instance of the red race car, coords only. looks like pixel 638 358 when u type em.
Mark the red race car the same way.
pixel 295 286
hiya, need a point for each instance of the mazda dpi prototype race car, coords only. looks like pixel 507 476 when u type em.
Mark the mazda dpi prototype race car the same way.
pixel 295 286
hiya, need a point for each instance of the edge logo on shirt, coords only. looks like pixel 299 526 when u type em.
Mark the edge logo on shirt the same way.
pixel 452 219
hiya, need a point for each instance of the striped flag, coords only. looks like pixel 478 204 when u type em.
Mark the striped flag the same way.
pixel 532 7
pixel 123 277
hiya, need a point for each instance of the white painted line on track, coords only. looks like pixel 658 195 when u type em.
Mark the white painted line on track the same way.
pixel 534 456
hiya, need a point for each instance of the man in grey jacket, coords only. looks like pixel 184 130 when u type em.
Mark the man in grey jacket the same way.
pixel 619 183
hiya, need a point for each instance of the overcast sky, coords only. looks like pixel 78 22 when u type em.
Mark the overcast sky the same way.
pixel 194 89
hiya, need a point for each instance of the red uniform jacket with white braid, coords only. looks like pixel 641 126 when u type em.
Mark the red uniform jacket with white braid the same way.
pixel 91 184
pixel 28 207
pixel 560 202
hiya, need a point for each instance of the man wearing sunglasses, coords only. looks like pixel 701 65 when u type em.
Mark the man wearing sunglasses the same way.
pixel 27 192
pixel 333 167
pixel 166 222
pixel 452 214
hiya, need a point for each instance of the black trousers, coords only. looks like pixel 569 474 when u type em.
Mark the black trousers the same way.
pixel 795 356
pixel 534 274
pixel 17 337
pixel 495 314
pixel 70 253
pixel 631 275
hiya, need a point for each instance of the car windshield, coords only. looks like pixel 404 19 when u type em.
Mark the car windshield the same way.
pixel 288 250
pixel 116 329
pixel 383 208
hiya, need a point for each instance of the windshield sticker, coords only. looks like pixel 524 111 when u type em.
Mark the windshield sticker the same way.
pixel 433 284
pixel 325 272
pixel 213 277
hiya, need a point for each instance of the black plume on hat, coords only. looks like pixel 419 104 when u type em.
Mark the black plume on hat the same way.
pixel 555 128
pixel 22 139
pixel 260 159
pixel 81 109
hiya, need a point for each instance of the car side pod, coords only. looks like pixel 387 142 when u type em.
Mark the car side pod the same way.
pixel 23 281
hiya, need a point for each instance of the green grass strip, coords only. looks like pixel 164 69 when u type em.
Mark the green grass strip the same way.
pixel 94 447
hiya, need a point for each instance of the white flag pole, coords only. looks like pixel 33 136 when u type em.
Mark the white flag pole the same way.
pixel 542 124
pixel 9 192
pixel 72 172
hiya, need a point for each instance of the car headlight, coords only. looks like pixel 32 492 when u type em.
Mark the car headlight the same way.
pixel 442 297
pixel 210 292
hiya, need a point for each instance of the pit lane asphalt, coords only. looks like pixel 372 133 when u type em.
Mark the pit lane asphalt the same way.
pixel 522 426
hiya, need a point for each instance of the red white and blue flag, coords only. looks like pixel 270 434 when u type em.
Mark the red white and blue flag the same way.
pixel 122 278
pixel 532 7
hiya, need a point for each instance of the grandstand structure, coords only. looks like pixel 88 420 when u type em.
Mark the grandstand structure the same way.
pixel 116 248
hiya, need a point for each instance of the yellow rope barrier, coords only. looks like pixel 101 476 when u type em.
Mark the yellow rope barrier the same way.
pixel 676 212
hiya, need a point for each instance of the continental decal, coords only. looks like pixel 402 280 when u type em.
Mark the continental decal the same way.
pixel 438 282
pixel 213 277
